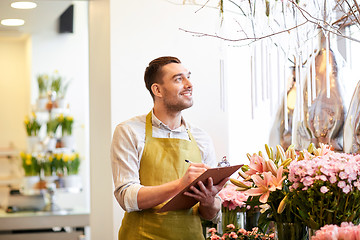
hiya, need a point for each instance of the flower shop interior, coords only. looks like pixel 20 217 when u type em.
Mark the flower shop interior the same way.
pixel 74 70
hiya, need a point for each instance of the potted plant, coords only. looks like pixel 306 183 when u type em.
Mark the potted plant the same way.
pixel 52 126
pixel 66 129
pixel 43 86
pixel 32 127
pixel 31 168
pixel 59 86
pixel 71 163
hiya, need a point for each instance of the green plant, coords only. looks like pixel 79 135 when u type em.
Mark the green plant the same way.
pixel 52 125
pixel 43 85
pixel 32 126
pixel 30 164
pixel 71 163
pixel 48 165
pixel 66 124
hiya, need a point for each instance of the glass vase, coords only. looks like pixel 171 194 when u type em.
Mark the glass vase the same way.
pixel 290 231
pixel 235 217
pixel 251 219
pixel 352 124
pixel 320 112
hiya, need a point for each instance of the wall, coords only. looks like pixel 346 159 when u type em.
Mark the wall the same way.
pixel 68 54
pixel 14 90
pixel 101 216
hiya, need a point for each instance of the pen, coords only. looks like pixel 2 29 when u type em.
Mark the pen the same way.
pixel 188 161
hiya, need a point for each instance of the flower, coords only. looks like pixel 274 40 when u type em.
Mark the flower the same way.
pixel 346 231
pixel 32 125
pixel 267 178
pixel 232 233
pixel 231 198
pixel 66 123
pixel 30 164
pixel 72 163
pixel 330 180
pixel 264 186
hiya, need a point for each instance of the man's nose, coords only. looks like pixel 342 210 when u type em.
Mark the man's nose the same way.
pixel 187 83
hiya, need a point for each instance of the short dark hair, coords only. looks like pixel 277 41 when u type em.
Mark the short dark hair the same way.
pixel 153 71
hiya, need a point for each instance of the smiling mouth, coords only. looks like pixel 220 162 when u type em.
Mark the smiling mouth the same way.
pixel 187 94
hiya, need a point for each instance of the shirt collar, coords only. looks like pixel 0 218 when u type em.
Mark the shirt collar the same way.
pixel 157 122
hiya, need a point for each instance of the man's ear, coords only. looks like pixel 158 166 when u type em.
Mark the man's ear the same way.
pixel 156 89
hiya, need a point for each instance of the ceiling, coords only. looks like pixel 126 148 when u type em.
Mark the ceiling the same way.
pixel 44 15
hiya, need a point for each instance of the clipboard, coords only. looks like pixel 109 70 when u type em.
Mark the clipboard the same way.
pixel 181 201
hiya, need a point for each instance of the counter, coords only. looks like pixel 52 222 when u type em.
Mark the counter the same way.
pixel 59 225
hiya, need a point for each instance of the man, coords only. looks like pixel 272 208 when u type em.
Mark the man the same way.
pixel 148 161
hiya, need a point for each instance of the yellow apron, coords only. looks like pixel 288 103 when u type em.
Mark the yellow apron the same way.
pixel 163 161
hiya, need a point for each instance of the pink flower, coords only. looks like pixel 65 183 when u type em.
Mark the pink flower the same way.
pixel 233 235
pixel 278 180
pixel 257 165
pixel 212 230
pixel 264 186
pixel 307 181
pixel 231 198
pixel 346 231
pixel 341 184
pixel 230 226
pixel 215 237
pixel 324 189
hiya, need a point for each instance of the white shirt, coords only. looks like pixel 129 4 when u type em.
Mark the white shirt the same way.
pixel 127 148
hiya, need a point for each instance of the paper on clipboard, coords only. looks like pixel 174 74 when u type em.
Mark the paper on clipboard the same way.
pixel 181 201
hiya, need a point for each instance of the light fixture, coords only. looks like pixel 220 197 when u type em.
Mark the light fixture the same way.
pixel 23 5
pixel 12 22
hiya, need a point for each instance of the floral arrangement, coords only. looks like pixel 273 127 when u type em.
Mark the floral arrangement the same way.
pixel 71 163
pixel 66 123
pixel 30 164
pixel 32 126
pixel 232 233
pixel 52 83
pixel 58 85
pixel 61 164
pixel 43 81
pixel 346 231
pixel 265 179
pixel 326 186
pixel 233 201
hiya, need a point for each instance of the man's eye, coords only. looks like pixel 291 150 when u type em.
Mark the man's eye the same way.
pixel 178 79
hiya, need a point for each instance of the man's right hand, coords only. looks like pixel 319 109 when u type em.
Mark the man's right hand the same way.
pixel 194 171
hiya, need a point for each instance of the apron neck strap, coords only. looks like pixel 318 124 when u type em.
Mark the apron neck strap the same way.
pixel 148 128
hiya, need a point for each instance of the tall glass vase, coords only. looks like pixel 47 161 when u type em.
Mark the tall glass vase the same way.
pixel 352 124
pixel 321 112
pixel 290 231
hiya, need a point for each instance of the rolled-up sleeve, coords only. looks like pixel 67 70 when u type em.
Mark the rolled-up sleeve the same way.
pixel 125 167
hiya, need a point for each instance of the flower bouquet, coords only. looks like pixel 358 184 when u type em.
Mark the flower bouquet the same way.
pixel 265 179
pixel 233 203
pixel 326 186
pixel 232 233
pixel 346 231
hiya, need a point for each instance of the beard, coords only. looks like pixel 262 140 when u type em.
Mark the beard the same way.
pixel 178 105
